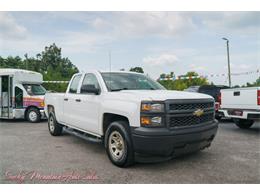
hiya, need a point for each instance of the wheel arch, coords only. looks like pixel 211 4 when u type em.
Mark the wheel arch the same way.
pixel 50 108
pixel 108 118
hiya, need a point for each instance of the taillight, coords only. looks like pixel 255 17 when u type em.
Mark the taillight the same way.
pixel 216 106
pixel 258 97
pixel 219 98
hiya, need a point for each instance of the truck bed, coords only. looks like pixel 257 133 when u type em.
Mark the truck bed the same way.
pixel 56 100
pixel 240 98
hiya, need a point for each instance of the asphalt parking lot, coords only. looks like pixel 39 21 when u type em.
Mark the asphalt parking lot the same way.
pixel 28 154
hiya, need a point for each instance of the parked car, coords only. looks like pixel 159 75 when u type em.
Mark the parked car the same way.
pixel 242 105
pixel 21 95
pixel 192 89
pixel 212 90
pixel 134 116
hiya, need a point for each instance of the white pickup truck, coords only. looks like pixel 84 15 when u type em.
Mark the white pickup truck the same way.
pixel 242 105
pixel 135 117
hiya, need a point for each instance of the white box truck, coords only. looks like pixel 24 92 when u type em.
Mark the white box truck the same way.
pixel 21 95
pixel 242 105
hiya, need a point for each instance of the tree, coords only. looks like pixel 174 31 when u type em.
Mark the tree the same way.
pixel 137 69
pixel 182 84
pixel 257 82
pixel 54 66
pixel 49 62
pixel 254 84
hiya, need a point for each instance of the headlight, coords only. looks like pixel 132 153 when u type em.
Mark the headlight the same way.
pixel 42 104
pixel 152 107
pixel 153 121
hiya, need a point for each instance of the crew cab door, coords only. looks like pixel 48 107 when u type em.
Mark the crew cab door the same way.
pixel 69 102
pixel 88 105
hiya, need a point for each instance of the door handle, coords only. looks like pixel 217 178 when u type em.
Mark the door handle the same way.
pixel 65 99
pixel 78 100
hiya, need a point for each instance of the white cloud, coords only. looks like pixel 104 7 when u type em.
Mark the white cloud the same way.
pixel 161 60
pixel 241 67
pixel 164 62
pixel 155 23
pixel 242 22
pixel 197 68
pixel 82 42
pixel 9 28
pixel 139 24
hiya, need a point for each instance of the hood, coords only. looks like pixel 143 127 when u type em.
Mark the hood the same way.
pixel 160 95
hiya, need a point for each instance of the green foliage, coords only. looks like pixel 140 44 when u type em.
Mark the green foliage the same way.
pixel 182 83
pixel 254 84
pixel 55 87
pixel 49 63
pixel 257 82
pixel 137 69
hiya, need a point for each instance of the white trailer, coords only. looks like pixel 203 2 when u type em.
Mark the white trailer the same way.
pixel 242 105
pixel 21 95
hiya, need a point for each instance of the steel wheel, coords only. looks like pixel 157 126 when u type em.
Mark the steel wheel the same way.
pixel 33 116
pixel 116 145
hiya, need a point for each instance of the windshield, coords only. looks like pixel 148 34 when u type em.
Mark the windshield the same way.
pixel 34 89
pixel 129 81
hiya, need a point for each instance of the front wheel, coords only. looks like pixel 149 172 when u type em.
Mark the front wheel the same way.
pixel 118 144
pixel 33 115
pixel 243 123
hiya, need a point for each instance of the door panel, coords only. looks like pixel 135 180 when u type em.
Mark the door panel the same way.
pixel 88 112
pixel 70 111
pixel 6 96
pixel 1 96
pixel 88 105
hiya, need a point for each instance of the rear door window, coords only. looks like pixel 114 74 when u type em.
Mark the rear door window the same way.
pixel 74 84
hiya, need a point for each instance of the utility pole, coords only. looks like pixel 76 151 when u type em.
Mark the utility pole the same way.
pixel 228 58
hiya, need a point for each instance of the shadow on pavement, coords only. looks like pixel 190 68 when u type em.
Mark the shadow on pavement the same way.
pixel 19 121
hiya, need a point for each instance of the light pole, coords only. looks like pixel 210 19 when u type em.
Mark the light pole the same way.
pixel 229 72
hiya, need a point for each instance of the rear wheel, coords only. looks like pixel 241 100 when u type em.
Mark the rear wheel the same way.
pixel 118 144
pixel 33 115
pixel 55 128
pixel 243 123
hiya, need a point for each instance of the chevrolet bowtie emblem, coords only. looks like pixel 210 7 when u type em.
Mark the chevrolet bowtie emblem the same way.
pixel 198 112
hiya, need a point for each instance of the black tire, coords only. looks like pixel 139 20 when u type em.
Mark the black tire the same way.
pixel 119 128
pixel 33 115
pixel 218 117
pixel 55 128
pixel 243 123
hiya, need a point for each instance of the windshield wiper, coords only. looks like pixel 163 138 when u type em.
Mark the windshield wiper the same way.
pixel 120 89
pixel 125 88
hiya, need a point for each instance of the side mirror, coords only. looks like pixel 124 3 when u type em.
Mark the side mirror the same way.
pixel 89 89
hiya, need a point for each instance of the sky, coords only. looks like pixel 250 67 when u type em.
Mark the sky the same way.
pixel 160 42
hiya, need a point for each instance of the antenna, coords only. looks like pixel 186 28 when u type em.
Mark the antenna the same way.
pixel 109 58
pixel 109 55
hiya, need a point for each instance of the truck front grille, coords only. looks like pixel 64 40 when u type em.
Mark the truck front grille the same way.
pixel 191 106
pixel 181 121
pixel 181 113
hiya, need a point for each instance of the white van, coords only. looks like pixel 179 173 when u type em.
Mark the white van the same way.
pixel 21 95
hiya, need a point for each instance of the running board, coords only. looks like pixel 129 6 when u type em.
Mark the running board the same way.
pixel 82 135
